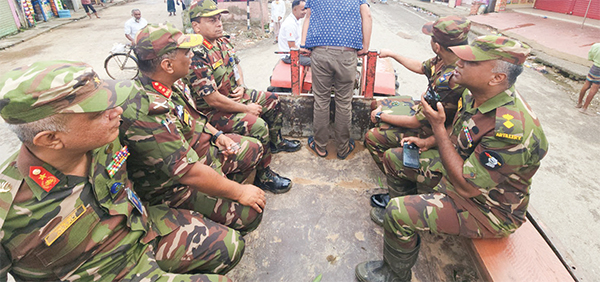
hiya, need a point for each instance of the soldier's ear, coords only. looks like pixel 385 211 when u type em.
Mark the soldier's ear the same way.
pixel 167 65
pixel 48 139
pixel 498 78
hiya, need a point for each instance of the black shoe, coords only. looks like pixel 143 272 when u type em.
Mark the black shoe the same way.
pixel 285 146
pixel 272 181
pixel 380 200
pixel 377 215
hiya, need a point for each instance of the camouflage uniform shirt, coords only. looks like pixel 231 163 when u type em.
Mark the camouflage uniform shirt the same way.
pixel 502 143
pixel 438 76
pixel 164 132
pixel 71 227
pixel 213 67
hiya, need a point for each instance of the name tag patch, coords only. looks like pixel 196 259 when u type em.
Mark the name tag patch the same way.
pixel 58 230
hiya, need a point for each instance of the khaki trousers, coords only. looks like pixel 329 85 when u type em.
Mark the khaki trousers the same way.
pixel 333 68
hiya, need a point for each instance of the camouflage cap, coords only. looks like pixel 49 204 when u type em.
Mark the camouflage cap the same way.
pixel 493 47
pixel 448 31
pixel 47 88
pixel 204 8
pixel 155 40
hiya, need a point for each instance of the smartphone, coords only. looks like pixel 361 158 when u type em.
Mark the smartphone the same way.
pixel 432 98
pixel 410 155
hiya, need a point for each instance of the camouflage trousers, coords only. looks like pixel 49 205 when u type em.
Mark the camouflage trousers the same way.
pixel 434 212
pixel 221 210
pixel 198 245
pixel 425 178
pixel 265 128
pixel 382 138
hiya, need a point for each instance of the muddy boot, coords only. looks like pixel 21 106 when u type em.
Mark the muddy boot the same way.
pixel 395 266
pixel 377 215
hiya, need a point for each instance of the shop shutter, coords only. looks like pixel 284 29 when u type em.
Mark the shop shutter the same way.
pixel 559 6
pixel 7 22
pixel 581 6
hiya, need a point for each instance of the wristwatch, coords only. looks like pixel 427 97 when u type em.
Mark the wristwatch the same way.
pixel 214 138
pixel 378 116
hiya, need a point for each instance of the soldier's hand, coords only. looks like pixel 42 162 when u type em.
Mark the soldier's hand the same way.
pixel 423 144
pixel 254 109
pixel 374 112
pixel 435 118
pixel 305 52
pixel 237 94
pixel 253 196
pixel 227 146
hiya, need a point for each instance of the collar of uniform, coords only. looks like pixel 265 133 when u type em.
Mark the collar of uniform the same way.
pixel 27 159
pixel 499 100
pixel 155 86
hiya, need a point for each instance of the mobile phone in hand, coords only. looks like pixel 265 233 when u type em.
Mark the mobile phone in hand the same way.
pixel 410 155
pixel 432 98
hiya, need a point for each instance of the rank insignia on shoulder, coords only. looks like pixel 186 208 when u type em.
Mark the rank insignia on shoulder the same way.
pixel 491 160
pixel 207 44
pixel 42 177
pixel 459 104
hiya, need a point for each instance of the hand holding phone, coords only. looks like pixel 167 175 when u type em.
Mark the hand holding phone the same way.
pixel 432 98
pixel 410 155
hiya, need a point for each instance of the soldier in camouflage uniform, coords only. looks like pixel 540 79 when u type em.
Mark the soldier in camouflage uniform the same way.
pixel 67 209
pixel 494 149
pixel 178 158
pixel 218 86
pixel 445 32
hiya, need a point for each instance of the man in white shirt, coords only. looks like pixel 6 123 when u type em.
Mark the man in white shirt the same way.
pixel 291 32
pixel 277 14
pixel 133 25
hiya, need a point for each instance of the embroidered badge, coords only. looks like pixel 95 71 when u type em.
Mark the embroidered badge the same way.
pixel 217 64
pixel 42 177
pixel 162 89
pixel 116 187
pixel 133 198
pixel 58 230
pixel 491 160
pixel 459 104
pixel 117 161
pixel 508 136
pixel 5 187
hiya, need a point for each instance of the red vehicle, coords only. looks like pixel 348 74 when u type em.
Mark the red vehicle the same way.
pixel 376 73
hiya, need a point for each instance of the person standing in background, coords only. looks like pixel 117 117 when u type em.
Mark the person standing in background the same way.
pixel 87 6
pixel 133 25
pixel 277 14
pixel 592 81
pixel 333 35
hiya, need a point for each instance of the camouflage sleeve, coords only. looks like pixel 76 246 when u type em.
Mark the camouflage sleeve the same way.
pixel 200 79
pixel 427 65
pixel 157 142
pixel 5 263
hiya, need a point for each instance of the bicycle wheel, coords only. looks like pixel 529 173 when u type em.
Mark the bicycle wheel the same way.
pixel 121 66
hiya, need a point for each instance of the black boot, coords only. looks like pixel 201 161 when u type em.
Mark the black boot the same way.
pixel 268 180
pixel 285 145
pixel 395 266
pixel 380 200
pixel 398 188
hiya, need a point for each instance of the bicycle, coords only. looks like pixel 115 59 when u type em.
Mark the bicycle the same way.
pixel 122 64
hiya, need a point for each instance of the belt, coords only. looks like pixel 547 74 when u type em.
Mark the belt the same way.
pixel 340 48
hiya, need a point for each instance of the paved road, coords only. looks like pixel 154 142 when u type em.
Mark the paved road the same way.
pixel 563 193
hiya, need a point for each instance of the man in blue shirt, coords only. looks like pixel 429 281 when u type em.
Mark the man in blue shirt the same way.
pixel 334 33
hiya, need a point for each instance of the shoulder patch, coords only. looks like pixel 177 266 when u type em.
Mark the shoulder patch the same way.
pixel 491 160
pixel 509 125
pixel 158 106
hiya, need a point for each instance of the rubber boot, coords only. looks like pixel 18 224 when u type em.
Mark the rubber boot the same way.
pixel 398 188
pixel 395 266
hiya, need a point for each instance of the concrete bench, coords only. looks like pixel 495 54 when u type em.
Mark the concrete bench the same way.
pixel 526 255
